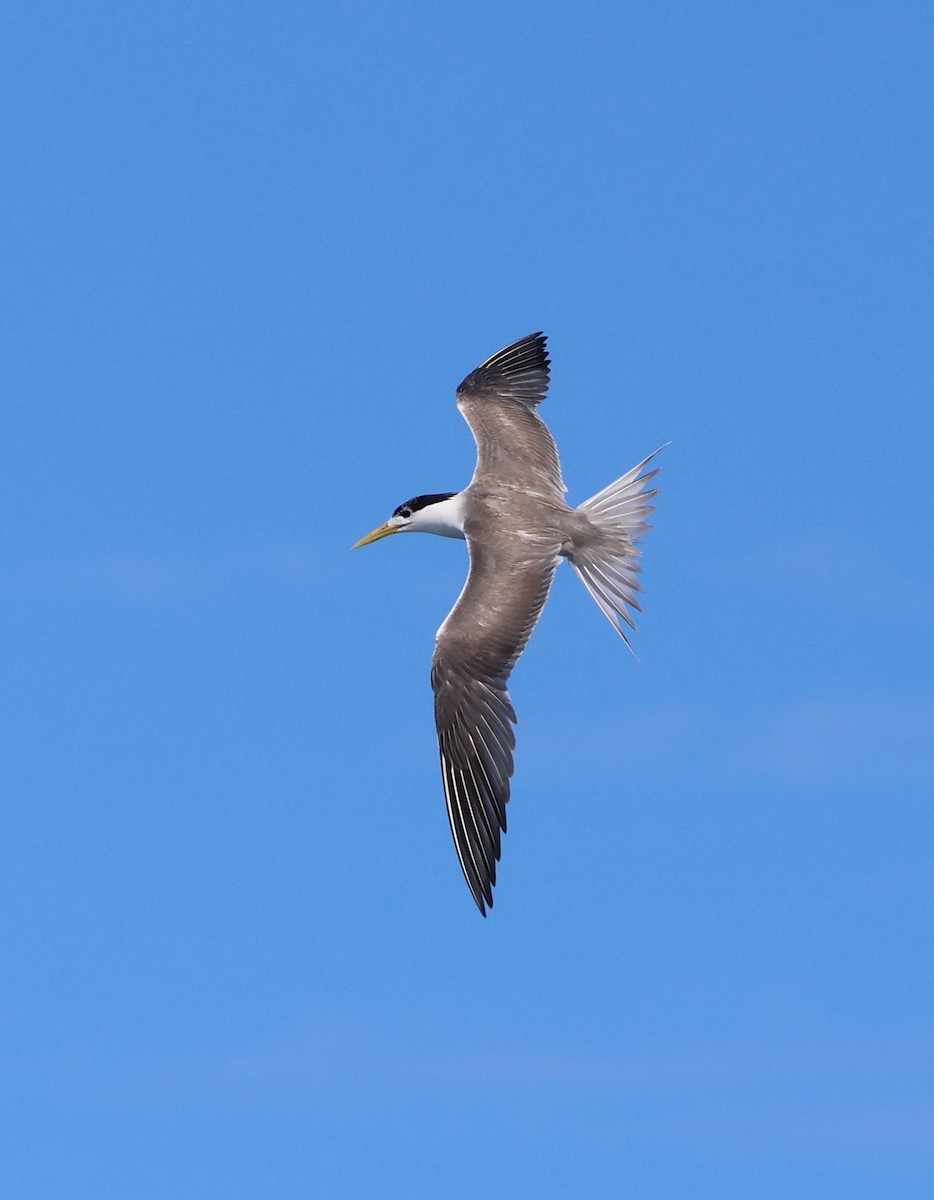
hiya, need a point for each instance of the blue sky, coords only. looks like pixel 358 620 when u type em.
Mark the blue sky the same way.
pixel 249 251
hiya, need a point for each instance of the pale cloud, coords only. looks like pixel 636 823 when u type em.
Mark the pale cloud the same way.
pixel 846 739
pixel 816 1090
pixel 150 578
pixel 831 739
pixel 833 568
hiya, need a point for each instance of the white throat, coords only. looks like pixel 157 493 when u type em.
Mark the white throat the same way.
pixel 446 518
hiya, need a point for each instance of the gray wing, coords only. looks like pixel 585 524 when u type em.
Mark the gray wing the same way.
pixel 475 651
pixel 498 402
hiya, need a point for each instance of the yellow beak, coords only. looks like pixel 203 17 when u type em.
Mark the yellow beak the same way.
pixel 381 531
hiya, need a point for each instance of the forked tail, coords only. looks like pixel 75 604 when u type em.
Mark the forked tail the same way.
pixel 607 559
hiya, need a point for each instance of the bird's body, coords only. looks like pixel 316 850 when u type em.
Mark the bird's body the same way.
pixel 518 527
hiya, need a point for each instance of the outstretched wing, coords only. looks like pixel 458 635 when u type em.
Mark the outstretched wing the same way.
pixel 498 402
pixel 475 651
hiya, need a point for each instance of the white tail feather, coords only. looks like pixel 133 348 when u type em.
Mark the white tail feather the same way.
pixel 608 560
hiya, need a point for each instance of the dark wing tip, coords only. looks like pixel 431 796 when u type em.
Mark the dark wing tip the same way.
pixel 517 372
pixel 474 826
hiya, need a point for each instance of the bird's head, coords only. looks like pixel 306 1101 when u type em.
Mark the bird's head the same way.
pixel 440 512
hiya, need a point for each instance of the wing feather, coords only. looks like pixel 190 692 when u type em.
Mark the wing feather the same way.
pixel 498 402
pixel 475 651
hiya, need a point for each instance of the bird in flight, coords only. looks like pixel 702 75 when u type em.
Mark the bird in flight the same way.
pixel 518 527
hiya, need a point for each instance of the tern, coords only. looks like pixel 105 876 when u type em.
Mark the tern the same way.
pixel 518 527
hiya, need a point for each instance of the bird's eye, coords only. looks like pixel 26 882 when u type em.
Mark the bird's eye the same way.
pixel 405 512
